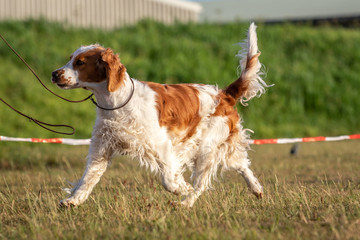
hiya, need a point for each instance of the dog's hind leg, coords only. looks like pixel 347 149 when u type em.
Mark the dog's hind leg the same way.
pixel 252 182
pixel 96 166
pixel 208 161
pixel 204 170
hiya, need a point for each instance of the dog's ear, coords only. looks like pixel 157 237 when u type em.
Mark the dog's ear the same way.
pixel 115 70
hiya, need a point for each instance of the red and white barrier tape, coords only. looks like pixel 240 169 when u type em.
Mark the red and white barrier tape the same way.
pixel 69 141
pixel 306 139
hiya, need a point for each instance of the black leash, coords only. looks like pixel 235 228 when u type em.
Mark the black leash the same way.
pixel 43 124
pixel 120 106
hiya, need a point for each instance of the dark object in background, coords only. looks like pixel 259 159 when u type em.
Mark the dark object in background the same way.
pixel 294 149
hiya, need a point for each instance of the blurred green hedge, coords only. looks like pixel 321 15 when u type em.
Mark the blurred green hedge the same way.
pixel 315 71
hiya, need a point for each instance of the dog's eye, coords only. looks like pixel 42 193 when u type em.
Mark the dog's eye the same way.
pixel 79 62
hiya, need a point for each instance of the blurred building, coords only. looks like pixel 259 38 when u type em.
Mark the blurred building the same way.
pixel 101 13
pixel 278 10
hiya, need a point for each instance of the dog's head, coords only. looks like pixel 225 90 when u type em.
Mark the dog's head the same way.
pixel 89 66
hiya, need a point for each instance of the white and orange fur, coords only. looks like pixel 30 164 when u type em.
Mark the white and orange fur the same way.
pixel 168 128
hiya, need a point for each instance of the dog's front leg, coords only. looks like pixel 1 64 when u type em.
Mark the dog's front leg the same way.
pixel 95 167
pixel 172 178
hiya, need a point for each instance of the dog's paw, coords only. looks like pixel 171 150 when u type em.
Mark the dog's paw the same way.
pixel 259 195
pixel 257 189
pixel 189 201
pixel 67 203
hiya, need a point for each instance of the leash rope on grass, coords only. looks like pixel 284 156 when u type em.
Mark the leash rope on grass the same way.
pixel 43 124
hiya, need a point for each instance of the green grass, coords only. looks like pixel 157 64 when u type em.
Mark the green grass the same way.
pixel 314 195
pixel 315 72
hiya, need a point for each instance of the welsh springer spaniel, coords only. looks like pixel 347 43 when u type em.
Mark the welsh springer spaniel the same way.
pixel 167 127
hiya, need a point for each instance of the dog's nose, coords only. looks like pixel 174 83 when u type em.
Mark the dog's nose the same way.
pixel 55 76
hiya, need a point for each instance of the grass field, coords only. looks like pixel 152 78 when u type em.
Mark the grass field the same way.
pixel 314 195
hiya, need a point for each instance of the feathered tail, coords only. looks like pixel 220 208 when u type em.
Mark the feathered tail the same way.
pixel 250 83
